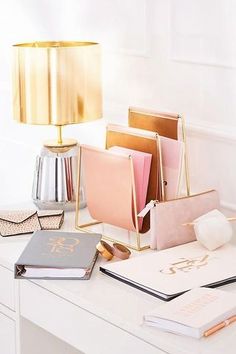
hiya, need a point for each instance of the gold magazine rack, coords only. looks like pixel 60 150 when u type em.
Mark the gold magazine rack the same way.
pixel 133 239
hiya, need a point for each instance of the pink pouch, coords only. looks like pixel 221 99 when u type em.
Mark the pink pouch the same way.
pixel 167 218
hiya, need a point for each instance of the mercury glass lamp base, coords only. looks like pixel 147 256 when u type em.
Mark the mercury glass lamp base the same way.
pixel 55 179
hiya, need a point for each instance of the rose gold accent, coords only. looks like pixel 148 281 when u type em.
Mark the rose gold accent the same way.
pixel 219 326
pixel 121 251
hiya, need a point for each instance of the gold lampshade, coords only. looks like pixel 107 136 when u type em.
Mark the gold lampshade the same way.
pixel 57 83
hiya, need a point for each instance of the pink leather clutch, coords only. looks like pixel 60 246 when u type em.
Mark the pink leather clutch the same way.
pixel 168 218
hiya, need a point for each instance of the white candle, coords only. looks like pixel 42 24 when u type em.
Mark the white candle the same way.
pixel 213 229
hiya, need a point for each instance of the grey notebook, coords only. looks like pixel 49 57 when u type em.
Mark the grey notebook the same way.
pixel 58 255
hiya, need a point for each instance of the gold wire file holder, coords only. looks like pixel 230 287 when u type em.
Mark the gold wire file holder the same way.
pixel 86 223
pixel 133 239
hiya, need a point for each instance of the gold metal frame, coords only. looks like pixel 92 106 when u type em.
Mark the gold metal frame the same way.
pixel 186 164
pixel 83 227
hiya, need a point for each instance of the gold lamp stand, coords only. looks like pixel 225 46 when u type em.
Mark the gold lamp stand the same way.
pixel 60 145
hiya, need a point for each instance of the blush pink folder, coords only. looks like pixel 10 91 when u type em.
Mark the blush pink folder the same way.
pixel 142 165
pixel 172 158
pixel 109 186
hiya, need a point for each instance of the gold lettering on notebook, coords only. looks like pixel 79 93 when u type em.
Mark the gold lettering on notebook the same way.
pixel 195 306
pixel 63 245
pixel 186 265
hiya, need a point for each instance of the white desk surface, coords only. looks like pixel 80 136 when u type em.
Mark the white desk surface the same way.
pixel 120 304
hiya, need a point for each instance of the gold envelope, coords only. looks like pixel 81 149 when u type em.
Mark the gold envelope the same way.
pixel 18 222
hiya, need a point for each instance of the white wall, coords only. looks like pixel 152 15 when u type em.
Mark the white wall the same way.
pixel 173 55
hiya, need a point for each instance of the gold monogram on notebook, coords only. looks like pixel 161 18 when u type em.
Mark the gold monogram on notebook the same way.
pixel 186 265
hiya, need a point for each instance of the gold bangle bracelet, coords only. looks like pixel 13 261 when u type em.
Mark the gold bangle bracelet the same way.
pixel 105 250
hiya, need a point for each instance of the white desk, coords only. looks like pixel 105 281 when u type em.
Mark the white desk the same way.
pixel 98 316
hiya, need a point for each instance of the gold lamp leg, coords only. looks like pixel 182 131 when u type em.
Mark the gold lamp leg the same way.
pixel 59 134
pixel 60 144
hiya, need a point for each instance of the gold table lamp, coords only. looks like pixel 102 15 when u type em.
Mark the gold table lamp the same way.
pixel 56 83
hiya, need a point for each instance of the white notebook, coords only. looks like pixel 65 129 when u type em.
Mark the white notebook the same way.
pixel 168 273
pixel 194 313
